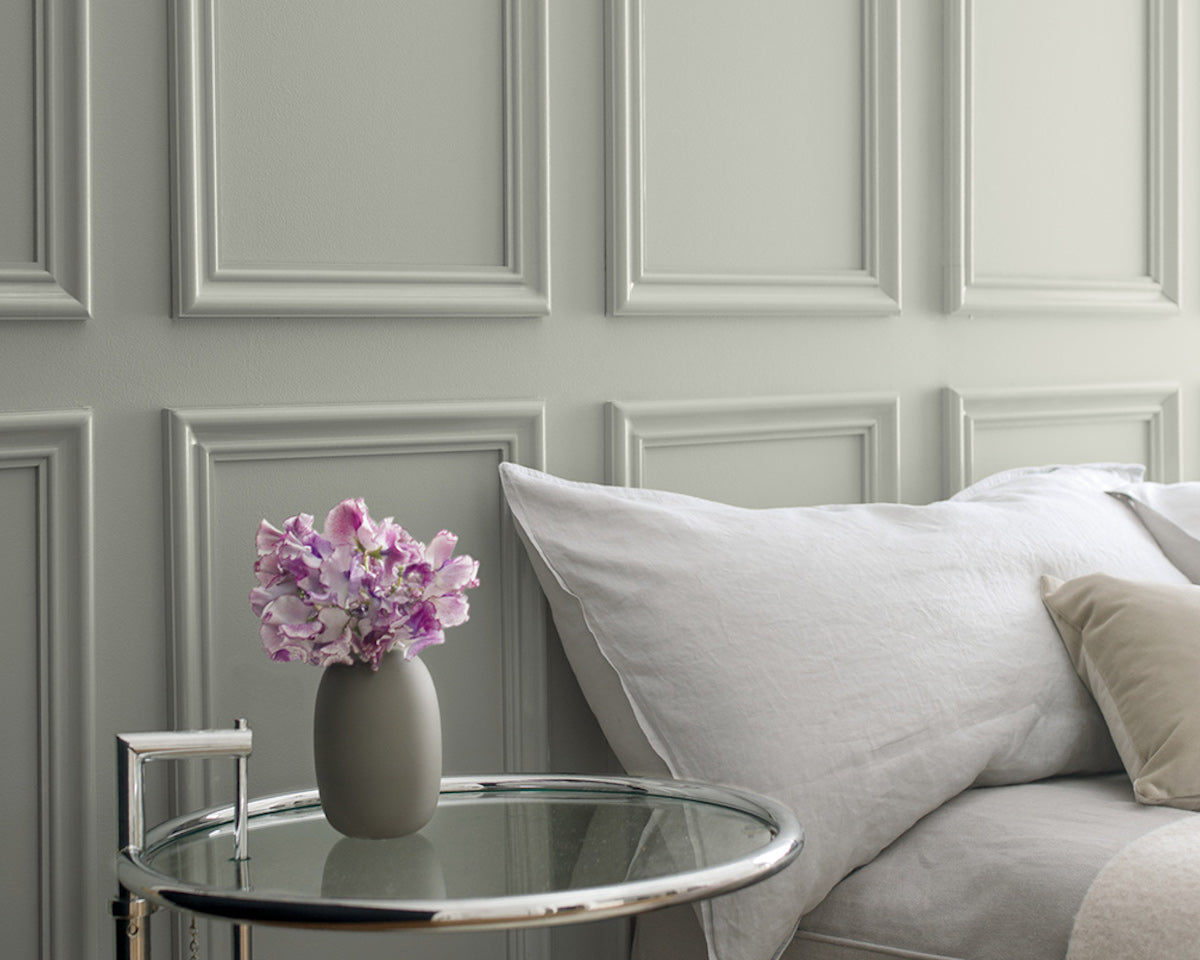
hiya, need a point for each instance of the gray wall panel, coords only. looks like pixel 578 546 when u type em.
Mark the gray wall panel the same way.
pixel 47 635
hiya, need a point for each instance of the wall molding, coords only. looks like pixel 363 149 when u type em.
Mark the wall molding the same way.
pixel 1155 405
pixel 871 291
pixel 205 287
pixel 56 284
pixel 199 440
pixel 969 292
pixel 57 447
pixel 635 429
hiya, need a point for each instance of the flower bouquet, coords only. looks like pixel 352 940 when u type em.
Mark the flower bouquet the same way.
pixel 357 589
pixel 361 599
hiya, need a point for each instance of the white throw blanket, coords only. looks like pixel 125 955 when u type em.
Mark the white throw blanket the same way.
pixel 1145 903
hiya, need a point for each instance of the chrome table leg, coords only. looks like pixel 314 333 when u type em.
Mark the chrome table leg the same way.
pixel 132 917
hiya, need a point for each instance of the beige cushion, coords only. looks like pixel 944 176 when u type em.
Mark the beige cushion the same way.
pixel 1137 647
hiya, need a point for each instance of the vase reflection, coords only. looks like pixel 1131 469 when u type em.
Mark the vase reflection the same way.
pixel 402 868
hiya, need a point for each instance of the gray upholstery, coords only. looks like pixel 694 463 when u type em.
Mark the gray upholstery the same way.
pixel 996 873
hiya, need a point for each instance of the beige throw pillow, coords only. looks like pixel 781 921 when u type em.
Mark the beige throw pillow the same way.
pixel 1137 647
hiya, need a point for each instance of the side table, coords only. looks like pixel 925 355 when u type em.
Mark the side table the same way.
pixel 501 852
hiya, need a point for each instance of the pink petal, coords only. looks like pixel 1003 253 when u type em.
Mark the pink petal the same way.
pixel 457 574
pixel 440 548
pixel 344 522
pixel 267 538
pixel 452 609
pixel 289 610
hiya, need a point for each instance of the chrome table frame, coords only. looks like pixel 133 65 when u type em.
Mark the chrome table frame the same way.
pixel 142 888
pixel 134 750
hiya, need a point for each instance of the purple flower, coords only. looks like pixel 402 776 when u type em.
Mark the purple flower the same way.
pixel 450 576
pixel 357 589
pixel 424 629
pixel 350 523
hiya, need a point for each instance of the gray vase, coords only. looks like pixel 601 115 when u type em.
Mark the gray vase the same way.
pixel 377 747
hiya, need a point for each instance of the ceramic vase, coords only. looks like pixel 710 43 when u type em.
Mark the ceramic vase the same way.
pixel 377 747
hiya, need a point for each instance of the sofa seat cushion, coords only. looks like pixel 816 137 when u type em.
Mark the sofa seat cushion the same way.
pixel 993 874
pixel 996 873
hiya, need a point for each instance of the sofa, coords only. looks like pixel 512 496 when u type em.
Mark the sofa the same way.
pixel 985 711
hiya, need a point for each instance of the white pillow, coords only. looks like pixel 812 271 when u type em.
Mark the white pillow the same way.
pixel 1171 512
pixel 862 663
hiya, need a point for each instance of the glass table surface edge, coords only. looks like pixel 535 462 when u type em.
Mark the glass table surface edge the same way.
pixel 541 908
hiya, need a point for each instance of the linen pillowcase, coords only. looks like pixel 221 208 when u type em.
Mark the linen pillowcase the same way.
pixel 1171 512
pixel 862 663
pixel 1137 647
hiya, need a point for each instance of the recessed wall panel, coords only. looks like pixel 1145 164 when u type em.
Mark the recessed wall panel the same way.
pixel 1003 447
pixel 762 452
pixel 1063 155
pixel 1060 167
pixel 373 158
pixel 18 146
pixel 45 232
pixel 732 130
pixel 21 905
pixel 810 471
pixel 399 160
pixel 431 467
pixel 991 430
pixel 753 130
pixel 424 492
pixel 46 695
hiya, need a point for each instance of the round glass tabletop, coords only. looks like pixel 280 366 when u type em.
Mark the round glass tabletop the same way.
pixel 500 852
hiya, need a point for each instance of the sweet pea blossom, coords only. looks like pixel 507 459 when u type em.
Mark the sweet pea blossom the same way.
pixel 357 589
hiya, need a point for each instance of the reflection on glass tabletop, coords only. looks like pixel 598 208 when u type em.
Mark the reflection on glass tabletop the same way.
pixel 502 851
